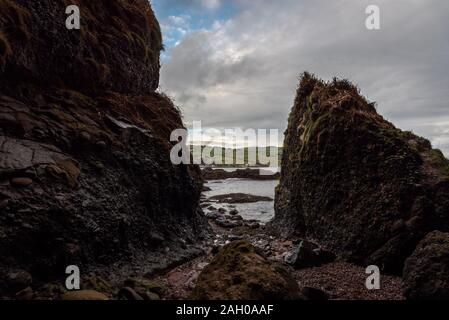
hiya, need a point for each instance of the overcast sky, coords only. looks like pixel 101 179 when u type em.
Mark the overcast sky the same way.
pixel 235 63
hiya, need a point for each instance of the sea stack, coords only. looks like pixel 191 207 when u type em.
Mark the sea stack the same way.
pixel 355 183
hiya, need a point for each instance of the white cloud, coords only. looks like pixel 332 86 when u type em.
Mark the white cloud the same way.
pixel 243 72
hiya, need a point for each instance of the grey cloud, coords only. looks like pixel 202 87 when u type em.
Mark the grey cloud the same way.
pixel 244 73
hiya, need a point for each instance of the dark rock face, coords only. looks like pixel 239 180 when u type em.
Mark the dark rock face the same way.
pixel 426 271
pixel 353 182
pixel 85 172
pixel 307 254
pixel 239 272
pixel 116 49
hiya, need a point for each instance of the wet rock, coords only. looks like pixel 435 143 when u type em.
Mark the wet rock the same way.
pixel 234 237
pixel 128 294
pixel 239 198
pixel 247 173
pixel 239 273
pixel 314 294
pixel 225 223
pixel 236 218
pixel 213 215
pixel 234 212
pixel 151 296
pixel 426 271
pixel 222 210
pixel 84 122
pixel 146 288
pixel 253 225
pixel 25 294
pixel 84 295
pixel 355 183
pixel 307 254
pixel 215 249
pixel 18 280
pixel 21 182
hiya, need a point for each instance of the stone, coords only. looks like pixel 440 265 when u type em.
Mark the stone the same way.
pixel 215 249
pixel 18 280
pixel 234 237
pixel 229 224
pixel 314 294
pixel 307 254
pixel 25 294
pixel 238 272
pixel 144 286
pixel 129 294
pixel 253 225
pixel 151 296
pixel 213 215
pixel 84 295
pixel 426 271
pixel 236 218
pixel 234 212
pixel 21 182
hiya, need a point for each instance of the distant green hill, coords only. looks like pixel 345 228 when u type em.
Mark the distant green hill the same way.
pixel 241 156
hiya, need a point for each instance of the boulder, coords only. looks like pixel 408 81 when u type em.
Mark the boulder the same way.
pixel 84 295
pixel 426 271
pixel 314 294
pixel 238 272
pixel 18 280
pixel 226 223
pixel 355 183
pixel 128 293
pixel 307 254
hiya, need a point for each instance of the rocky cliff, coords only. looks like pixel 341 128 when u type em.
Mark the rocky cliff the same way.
pixel 353 182
pixel 85 173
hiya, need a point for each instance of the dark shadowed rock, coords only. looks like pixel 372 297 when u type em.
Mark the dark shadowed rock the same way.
pixel 81 295
pixel 353 182
pixel 128 293
pixel 307 254
pixel 426 271
pixel 314 294
pixel 18 280
pixel 79 116
pixel 227 223
pixel 238 198
pixel 239 272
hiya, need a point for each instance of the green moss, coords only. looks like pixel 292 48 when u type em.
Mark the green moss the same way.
pixel 5 48
pixel 439 160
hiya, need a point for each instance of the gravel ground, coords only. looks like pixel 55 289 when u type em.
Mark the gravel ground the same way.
pixel 341 280
pixel 346 281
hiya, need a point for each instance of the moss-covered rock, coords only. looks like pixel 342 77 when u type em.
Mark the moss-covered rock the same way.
pixel 238 272
pixel 426 271
pixel 353 182
pixel 84 295
pixel 85 170
pixel 117 47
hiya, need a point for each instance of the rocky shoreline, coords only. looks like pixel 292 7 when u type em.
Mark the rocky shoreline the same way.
pixel 86 180
pixel 247 173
